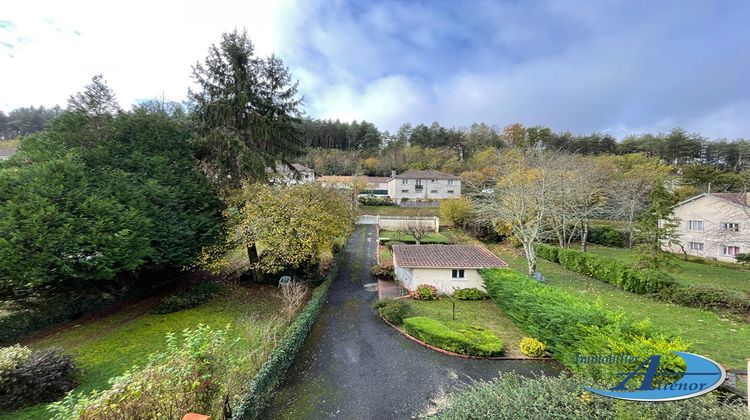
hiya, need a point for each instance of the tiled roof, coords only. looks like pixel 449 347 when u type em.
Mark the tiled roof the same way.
pixel 445 256
pixel 425 175
pixel 736 198
pixel 377 179
pixel 280 167
pixel 342 179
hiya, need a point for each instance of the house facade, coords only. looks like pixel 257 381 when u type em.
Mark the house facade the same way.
pixel 423 185
pixel 296 174
pixel 7 153
pixel 713 226
pixel 447 267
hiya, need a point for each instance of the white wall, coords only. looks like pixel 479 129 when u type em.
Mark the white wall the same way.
pixel 401 223
pixel 437 189
pixel 713 212
pixel 441 278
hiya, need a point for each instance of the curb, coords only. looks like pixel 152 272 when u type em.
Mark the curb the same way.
pixel 463 356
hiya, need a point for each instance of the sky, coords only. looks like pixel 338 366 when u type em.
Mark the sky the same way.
pixel 618 67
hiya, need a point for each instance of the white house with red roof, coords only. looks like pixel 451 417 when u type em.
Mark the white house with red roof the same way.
pixel 447 267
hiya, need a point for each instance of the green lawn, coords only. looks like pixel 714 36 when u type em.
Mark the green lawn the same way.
pixel 400 211
pixel 484 313
pixel 724 339
pixel 107 347
pixel 386 256
pixel 689 272
pixel 429 238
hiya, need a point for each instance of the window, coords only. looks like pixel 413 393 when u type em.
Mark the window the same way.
pixel 433 180
pixel 404 181
pixel 450 191
pixel 730 227
pixel 433 191
pixel 450 182
pixel 404 191
pixel 458 274
pixel 418 187
pixel 695 225
pixel 730 250
pixel 695 246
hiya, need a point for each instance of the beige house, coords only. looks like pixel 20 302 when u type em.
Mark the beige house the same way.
pixel 714 226
pixel 290 175
pixel 447 267
pixel 423 185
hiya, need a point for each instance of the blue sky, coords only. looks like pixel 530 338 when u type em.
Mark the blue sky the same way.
pixel 617 67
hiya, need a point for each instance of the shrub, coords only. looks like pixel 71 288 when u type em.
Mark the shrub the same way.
pixel 532 347
pixel 192 374
pixel 190 298
pixel 456 211
pixel 34 377
pixel 605 269
pixel 605 235
pixel 394 311
pixel 511 396
pixel 571 326
pixel 383 272
pixel 424 292
pixel 705 297
pixel 458 338
pixel 376 201
pixel 471 293
pixel 743 259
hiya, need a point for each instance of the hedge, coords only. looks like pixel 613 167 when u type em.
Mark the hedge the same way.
pixel 272 373
pixel 37 377
pixel 643 281
pixel 572 326
pixel 511 396
pixel 606 236
pixel 611 271
pixel 456 337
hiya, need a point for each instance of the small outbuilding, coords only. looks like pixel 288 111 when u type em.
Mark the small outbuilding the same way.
pixel 447 267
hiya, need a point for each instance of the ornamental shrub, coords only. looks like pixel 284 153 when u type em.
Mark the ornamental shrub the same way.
pixel 28 378
pixel 571 326
pixel 424 292
pixel 456 337
pixel 471 293
pixel 605 235
pixel 190 298
pixel 383 272
pixel 608 270
pixel 705 297
pixel 532 347
pixel 192 374
pixel 743 259
pixel 514 397
pixel 393 310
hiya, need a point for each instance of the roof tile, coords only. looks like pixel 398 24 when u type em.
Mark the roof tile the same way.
pixel 446 256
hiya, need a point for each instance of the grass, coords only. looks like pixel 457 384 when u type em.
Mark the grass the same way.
pixel 689 272
pixel 483 313
pixel 721 338
pixel 8 144
pixel 109 346
pixel 433 238
pixel 400 211
pixel 386 256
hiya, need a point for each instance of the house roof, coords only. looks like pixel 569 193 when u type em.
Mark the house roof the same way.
pixel 740 199
pixel 425 175
pixel 445 256
pixel 377 179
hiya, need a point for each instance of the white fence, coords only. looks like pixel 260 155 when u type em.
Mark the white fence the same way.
pixel 401 222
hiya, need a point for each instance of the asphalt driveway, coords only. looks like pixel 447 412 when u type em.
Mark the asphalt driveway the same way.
pixel 353 365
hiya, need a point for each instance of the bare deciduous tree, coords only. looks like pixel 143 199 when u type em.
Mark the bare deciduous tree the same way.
pixel 416 229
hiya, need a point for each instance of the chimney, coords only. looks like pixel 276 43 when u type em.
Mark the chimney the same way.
pixel 393 173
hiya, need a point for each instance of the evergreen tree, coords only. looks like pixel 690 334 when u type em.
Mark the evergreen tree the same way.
pixel 657 229
pixel 246 111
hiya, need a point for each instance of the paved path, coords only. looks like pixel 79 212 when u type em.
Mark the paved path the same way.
pixel 354 366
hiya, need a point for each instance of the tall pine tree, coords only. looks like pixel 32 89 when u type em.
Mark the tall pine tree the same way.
pixel 246 111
